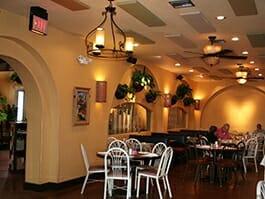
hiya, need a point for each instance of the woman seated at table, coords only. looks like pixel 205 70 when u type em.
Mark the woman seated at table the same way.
pixel 223 132
pixel 211 136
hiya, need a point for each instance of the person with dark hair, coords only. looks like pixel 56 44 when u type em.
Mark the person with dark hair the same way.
pixel 258 130
pixel 211 136
pixel 223 132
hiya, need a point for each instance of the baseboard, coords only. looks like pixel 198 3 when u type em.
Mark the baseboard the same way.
pixel 53 186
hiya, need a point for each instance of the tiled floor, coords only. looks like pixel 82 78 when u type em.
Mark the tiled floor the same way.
pixel 11 187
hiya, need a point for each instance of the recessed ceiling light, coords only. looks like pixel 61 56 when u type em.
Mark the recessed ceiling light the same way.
pixel 177 64
pixel 260 75
pixel 235 39
pixel 201 75
pixel 244 52
pixel 256 69
pixel 252 62
pixel 135 44
pixel 191 70
pixel 220 18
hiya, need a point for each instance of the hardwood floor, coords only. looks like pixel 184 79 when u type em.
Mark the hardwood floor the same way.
pixel 11 187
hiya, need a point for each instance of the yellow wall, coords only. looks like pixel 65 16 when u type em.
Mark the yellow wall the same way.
pixel 49 72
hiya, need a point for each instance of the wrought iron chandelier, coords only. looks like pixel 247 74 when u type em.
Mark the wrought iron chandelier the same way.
pixel 95 44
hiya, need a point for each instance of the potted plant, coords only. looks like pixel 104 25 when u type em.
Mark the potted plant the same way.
pixel 183 90
pixel 151 95
pixel 15 78
pixel 141 79
pixel 174 99
pixel 187 101
pixel 121 91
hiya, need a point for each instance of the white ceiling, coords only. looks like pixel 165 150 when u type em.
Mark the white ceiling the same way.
pixel 80 22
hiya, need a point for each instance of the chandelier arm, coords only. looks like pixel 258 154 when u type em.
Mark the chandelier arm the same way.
pixel 121 43
pixel 92 31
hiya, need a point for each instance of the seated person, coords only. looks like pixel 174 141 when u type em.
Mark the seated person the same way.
pixel 258 130
pixel 223 132
pixel 211 136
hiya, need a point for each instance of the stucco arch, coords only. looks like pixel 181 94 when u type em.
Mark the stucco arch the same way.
pixel 41 98
pixel 237 105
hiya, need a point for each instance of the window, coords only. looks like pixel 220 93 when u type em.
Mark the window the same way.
pixel 176 118
pixel 129 117
pixel 20 104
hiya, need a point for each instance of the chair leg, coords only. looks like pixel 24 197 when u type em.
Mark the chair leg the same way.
pixel 138 186
pixel 197 173
pixel 147 185
pixel 158 188
pixel 168 187
pixel 256 167
pixel 84 184
pixel 244 165
pixel 105 189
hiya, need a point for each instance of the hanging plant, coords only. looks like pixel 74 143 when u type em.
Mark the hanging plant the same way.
pixel 141 79
pixel 187 101
pixel 121 91
pixel 174 99
pixel 183 90
pixel 15 78
pixel 151 95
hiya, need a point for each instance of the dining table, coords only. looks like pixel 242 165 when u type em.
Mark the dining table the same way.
pixel 214 150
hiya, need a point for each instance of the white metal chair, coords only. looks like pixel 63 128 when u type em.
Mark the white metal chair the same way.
pixel 261 144
pixel 119 144
pixel 117 168
pixel 260 190
pixel 89 169
pixel 159 149
pixel 110 139
pixel 161 172
pixel 134 144
pixel 250 153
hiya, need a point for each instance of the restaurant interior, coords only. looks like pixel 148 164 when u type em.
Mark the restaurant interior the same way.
pixel 167 71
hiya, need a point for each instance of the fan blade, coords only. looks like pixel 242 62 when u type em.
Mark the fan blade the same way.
pixel 193 52
pixel 232 57
pixel 255 77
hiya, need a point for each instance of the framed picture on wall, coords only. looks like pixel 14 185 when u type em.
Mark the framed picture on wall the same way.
pixel 81 106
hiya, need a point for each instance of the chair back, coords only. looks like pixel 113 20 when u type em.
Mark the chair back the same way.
pixel 251 148
pixel 117 164
pixel 110 139
pixel 204 140
pixel 260 190
pixel 134 144
pixel 119 144
pixel 84 154
pixel 159 149
pixel 261 140
pixel 165 162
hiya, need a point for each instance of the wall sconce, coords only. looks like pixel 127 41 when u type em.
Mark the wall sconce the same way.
pixel 101 91
pixel 167 99
pixel 197 104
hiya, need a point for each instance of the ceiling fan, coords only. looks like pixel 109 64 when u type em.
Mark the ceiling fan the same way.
pixel 212 53
pixel 243 74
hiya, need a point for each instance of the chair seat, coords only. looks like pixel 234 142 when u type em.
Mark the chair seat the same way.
pixel 151 172
pixel 227 163
pixel 96 169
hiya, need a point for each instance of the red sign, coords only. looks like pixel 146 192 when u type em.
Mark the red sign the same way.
pixel 39 25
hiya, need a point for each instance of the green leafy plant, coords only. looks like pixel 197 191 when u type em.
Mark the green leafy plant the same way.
pixel 151 95
pixel 140 79
pixel 3 114
pixel 184 93
pixel 15 78
pixel 121 91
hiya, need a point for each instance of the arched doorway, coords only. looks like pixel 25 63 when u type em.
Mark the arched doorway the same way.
pixel 41 97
